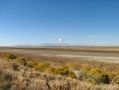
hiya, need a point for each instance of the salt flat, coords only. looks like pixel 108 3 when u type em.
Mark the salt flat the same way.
pixel 107 56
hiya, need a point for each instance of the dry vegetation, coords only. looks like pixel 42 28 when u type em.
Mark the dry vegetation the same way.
pixel 22 73
pixel 80 48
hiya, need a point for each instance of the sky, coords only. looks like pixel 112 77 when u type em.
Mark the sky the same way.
pixel 34 22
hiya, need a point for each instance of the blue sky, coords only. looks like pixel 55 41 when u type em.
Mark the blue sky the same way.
pixel 44 21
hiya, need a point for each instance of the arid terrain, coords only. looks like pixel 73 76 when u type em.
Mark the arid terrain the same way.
pixel 105 54
pixel 59 68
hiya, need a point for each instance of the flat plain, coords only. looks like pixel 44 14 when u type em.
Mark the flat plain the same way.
pixel 103 54
pixel 53 68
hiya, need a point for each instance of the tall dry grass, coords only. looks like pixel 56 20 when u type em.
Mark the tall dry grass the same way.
pixel 24 78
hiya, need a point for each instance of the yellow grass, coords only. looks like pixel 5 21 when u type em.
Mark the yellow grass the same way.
pixel 15 76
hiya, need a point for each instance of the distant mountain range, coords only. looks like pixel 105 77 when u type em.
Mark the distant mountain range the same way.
pixel 57 45
pixel 43 45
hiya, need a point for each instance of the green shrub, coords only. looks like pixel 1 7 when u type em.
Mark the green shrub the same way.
pixel 22 61
pixel 95 71
pixel 51 70
pixel 104 78
pixel 29 65
pixel 86 68
pixel 42 66
pixel 33 64
pixel 72 75
pixel 73 66
pixel 62 70
pixel 11 57
pixel 98 77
